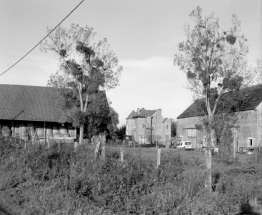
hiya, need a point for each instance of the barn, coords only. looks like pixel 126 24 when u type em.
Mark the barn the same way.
pixel 31 111
pixel 247 128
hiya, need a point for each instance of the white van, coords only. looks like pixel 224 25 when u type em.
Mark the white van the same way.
pixel 184 145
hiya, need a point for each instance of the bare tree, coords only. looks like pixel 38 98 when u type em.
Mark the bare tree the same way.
pixel 85 66
pixel 215 63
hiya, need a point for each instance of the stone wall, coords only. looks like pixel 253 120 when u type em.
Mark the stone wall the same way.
pixel 140 128
pixel 248 127
pixel 185 123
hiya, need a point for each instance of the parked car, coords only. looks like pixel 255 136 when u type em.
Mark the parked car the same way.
pixel 184 145
pixel 248 150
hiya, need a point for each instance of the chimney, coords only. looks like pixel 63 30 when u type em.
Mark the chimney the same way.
pixel 160 111
pixel 138 109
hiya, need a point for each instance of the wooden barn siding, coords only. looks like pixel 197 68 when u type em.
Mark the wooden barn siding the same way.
pixel 37 124
pixel 250 125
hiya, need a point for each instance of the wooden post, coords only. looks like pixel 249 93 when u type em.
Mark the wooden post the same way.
pixel 75 146
pixel 97 149
pixel 44 134
pixel 102 138
pixel 103 152
pixel 122 153
pixel 234 142
pixel 59 145
pixel 13 129
pixel 158 157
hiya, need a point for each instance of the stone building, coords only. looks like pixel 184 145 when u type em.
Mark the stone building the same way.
pixel 146 125
pixel 29 111
pixel 247 127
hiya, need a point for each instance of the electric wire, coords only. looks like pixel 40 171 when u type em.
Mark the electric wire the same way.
pixel 42 39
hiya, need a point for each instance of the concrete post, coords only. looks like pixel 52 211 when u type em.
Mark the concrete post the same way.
pixel 122 153
pixel 158 157
pixel 75 146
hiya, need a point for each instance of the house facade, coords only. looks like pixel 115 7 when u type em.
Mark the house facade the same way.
pixel 148 125
pixel 247 126
pixel 30 111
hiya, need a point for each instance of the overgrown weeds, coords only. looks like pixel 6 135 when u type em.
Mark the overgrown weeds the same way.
pixel 61 181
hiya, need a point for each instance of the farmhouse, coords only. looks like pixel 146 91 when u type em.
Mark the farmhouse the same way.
pixel 248 126
pixel 32 111
pixel 146 125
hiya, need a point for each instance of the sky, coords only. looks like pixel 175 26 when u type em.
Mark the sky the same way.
pixel 144 34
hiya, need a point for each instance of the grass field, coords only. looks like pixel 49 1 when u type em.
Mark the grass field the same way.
pixel 150 154
pixel 60 180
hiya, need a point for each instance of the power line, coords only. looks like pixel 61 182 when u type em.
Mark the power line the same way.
pixel 43 38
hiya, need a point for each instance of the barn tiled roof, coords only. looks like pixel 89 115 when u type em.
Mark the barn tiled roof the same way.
pixel 143 113
pixel 29 103
pixel 248 99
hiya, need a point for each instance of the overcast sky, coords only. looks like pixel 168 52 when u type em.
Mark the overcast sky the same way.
pixel 143 33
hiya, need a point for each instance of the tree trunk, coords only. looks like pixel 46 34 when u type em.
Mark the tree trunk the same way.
pixel 81 136
pixel 213 137
pixel 208 181
pixel 211 142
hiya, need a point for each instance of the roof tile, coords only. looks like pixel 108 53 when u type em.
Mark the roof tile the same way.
pixel 30 103
pixel 248 99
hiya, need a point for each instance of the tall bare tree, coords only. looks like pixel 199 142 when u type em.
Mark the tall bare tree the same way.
pixel 85 66
pixel 215 63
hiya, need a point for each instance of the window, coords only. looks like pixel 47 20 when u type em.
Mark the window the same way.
pixel 249 141
pixel 166 126
pixel 191 132
pixel 153 127
pixel 144 125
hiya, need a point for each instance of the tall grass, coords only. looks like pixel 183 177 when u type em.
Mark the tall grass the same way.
pixel 62 181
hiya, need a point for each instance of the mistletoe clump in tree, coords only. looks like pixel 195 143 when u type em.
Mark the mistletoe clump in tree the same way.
pixel 214 62
pixel 85 66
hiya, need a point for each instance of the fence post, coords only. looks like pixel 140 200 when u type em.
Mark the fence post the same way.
pixel 158 157
pixel 59 146
pixel 122 153
pixel 103 152
pixel 97 150
pixel 75 146
pixel 234 142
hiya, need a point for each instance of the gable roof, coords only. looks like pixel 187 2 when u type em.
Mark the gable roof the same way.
pixel 143 113
pixel 131 115
pixel 30 103
pixel 248 99
pixel 165 120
